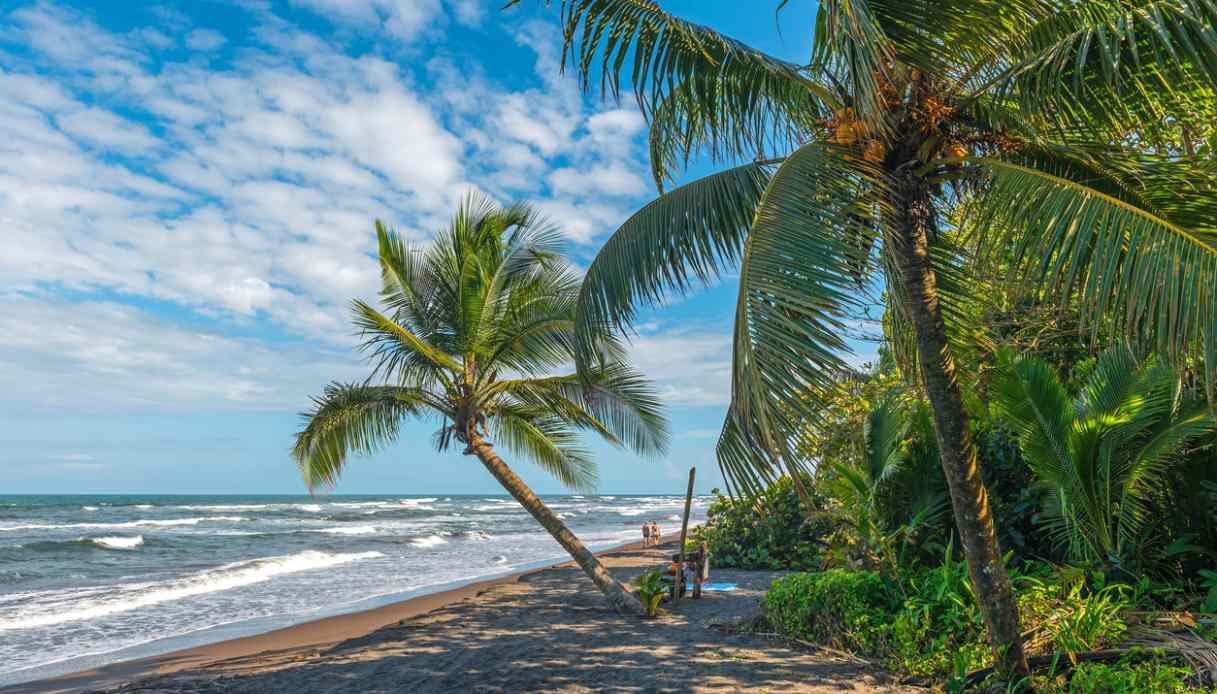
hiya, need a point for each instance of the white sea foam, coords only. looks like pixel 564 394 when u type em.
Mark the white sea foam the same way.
pixel 347 530
pixel 631 511
pixel 129 524
pixel 428 541
pixel 88 508
pixel 311 508
pixel 674 518
pixel 118 542
pixel 478 535
pixel 74 606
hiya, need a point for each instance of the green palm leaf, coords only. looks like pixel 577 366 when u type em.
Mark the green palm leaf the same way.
pixel 797 291
pixel 691 233
pixel 351 418
pixel 1138 273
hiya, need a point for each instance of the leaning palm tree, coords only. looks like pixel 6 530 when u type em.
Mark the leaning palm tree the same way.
pixel 475 328
pixel 1101 455
pixel 1069 135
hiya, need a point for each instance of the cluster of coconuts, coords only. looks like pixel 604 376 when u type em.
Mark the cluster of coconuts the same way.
pixel 848 131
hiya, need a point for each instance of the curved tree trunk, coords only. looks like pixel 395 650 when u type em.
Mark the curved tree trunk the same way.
pixel 621 599
pixel 969 498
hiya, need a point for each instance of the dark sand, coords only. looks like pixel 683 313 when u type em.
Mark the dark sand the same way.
pixel 548 630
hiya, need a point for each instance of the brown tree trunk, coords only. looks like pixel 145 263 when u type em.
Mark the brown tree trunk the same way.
pixel 969 498
pixel 621 599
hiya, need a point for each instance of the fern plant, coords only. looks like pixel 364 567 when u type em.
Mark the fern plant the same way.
pixel 1100 453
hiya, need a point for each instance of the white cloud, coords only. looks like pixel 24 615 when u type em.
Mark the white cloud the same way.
pixel 106 130
pixel 403 19
pixel 616 180
pixel 244 192
pixel 103 355
pixel 204 40
pixel 689 367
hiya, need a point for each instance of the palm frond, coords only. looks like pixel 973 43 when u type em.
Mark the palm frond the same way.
pixel 691 233
pixel 398 353
pixel 1114 63
pixel 1135 272
pixel 606 40
pixel 351 418
pixel 797 292
pixel 548 442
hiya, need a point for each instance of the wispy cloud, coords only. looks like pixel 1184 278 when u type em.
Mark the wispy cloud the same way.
pixel 237 184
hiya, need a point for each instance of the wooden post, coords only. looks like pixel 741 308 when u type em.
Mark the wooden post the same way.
pixel 684 530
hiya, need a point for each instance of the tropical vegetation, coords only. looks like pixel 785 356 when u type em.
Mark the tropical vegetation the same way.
pixel 948 156
pixel 475 329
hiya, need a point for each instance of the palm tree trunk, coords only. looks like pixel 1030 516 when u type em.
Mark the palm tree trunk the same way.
pixel 969 498
pixel 621 599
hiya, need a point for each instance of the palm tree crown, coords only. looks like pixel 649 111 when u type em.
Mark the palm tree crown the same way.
pixel 475 327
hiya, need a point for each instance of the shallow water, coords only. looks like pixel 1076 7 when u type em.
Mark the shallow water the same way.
pixel 90 575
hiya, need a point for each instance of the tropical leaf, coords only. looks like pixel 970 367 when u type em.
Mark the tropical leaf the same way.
pixel 689 234
pixel 348 418
pixel 797 292
pixel 1133 271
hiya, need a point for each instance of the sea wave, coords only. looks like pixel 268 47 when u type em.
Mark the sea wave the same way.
pixel 428 541
pixel 128 524
pixel 88 508
pixel 118 542
pixel 74 607
pixel 347 530
pixel 477 535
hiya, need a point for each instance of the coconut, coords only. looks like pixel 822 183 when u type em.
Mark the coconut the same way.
pixel 955 150
pixel 875 151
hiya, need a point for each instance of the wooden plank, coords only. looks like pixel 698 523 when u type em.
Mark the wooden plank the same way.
pixel 684 531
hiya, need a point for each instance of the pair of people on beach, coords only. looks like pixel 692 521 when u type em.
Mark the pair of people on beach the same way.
pixel 651 535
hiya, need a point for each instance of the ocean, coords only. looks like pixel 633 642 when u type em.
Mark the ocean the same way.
pixel 91 580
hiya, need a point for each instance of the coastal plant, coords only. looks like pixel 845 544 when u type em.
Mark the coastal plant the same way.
pixel 918 142
pixel 475 329
pixel 1101 454
pixel 779 534
pixel 651 589
pixel 893 490
pixel 1126 676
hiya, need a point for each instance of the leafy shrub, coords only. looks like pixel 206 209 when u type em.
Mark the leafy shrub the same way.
pixel 1124 677
pixel 839 607
pixel 651 590
pixel 783 536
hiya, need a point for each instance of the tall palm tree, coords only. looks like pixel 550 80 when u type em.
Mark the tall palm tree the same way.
pixel 476 327
pixel 1102 454
pixel 1067 134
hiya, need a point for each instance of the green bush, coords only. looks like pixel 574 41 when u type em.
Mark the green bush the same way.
pixel 841 608
pixel 1123 677
pixel 783 536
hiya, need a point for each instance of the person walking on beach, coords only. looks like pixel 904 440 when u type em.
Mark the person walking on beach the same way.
pixel 646 534
pixel 656 534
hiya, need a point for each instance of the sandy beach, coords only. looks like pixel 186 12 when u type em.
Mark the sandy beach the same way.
pixel 545 630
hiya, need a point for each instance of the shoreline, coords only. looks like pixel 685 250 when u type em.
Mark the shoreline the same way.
pixel 310 635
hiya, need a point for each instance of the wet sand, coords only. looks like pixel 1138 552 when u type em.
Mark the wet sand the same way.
pixel 547 630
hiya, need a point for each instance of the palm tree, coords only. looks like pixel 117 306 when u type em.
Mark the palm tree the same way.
pixel 1069 135
pixel 476 326
pixel 1101 455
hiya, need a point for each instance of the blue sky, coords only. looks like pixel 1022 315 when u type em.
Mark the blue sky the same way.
pixel 187 189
